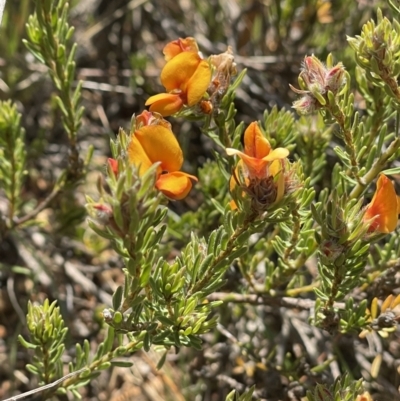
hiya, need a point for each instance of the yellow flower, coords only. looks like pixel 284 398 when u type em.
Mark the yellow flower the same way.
pixel 186 77
pixel 382 213
pixel 153 142
pixel 261 172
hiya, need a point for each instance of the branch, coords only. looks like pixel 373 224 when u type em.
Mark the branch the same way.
pixel 32 214
pixel 47 386
pixel 254 299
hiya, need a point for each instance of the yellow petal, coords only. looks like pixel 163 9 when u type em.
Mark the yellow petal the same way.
pixel 175 185
pixel 383 207
pixel 277 154
pixel 178 71
pixel 160 145
pixel 255 144
pixel 165 103
pixel 138 156
pixel 276 169
pixel 198 83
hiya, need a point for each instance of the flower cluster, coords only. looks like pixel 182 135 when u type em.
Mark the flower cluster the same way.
pixel 263 175
pixel 316 80
pixel 186 77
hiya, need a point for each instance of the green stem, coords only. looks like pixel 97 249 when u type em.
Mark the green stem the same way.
pixel 223 254
pixel 130 347
pixel 377 167
pixel 340 118
pixel 337 279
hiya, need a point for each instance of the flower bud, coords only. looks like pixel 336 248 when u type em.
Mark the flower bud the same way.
pixel 104 213
pixel 335 78
pixel 306 105
pixel 113 165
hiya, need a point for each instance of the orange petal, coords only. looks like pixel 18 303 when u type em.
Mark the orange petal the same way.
pixel 255 144
pixel 113 165
pixel 175 185
pixel 383 207
pixel 165 103
pixel 233 205
pixel 198 83
pixel 175 47
pixel 160 145
pixel 144 118
pixel 178 71
pixel 138 156
pixel 255 167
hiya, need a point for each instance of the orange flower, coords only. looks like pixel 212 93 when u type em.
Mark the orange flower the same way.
pixel 186 77
pixel 382 213
pixel 258 153
pixel 178 46
pixel 261 171
pixel 153 142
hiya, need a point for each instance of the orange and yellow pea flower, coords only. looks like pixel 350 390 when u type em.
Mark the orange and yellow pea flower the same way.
pixel 186 77
pixel 153 142
pixel 261 167
pixel 383 210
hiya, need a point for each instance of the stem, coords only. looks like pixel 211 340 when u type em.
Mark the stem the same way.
pixel 223 254
pixel 33 213
pixel 377 167
pixel 73 378
pixel 254 299
pixel 11 147
pixel 106 358
pixel 295 236
pixel 337 279
pixel 340 118
pixel 62 82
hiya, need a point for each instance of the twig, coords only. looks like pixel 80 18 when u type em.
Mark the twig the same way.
pixel 33 213
pixel 46 387
pixel 254 299
pixel 14 300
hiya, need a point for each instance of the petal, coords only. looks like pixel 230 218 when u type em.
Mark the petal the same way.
pixel 144 118
pixel 255 167
pixel 383 207
pixel 160 145
pixel 255 144
pixel 175 185
pixel 175 47
pixel 138 156
pixel 198 83
pixel 277 154
pixel 165 103
pixel 178 71
pixel 275 167
pixel 277 170
pixel 113 165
